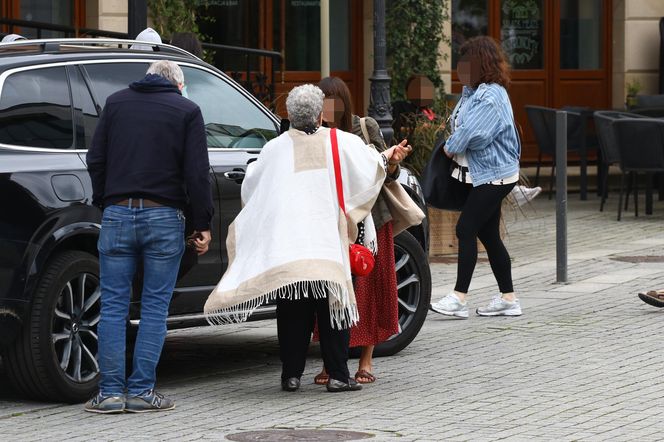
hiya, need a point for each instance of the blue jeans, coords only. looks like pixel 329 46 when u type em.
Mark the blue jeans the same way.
pixel 155 236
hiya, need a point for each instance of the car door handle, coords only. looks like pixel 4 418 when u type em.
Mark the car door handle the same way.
pixel 234 175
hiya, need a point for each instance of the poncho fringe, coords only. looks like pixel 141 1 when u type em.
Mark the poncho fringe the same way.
pixel 341 317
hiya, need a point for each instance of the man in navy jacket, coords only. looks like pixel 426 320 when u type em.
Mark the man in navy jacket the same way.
pixel 147 162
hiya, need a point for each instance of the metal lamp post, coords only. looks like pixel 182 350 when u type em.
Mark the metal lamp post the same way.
pixel 137 17
pixel 380 107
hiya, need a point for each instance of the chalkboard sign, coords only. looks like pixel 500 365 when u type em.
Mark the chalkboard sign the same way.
pixel 522 33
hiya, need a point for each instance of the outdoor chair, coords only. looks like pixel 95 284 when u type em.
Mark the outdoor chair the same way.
pixel 643 101
pixel 608 146
pixel 650 112
pixel 641 149
pixel 543 121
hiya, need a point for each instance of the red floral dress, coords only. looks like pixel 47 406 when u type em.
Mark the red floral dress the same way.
pixel 376 295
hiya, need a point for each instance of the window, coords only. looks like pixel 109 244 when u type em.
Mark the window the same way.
pixel 231 119
pixel 300 21
pixel 108 78
pixel 470 18
pixel 522 33
pixel 35 109
pixel 85 112
pixel 581 34
pixel 60 13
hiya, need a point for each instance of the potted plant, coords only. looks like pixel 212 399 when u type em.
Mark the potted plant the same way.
pixel 633 88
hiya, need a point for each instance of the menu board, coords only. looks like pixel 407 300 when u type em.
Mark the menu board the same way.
pixel 522 33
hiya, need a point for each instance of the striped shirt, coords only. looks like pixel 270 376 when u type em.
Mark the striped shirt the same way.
pixel 484 134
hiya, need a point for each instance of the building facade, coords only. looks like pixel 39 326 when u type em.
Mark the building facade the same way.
pixel 563 52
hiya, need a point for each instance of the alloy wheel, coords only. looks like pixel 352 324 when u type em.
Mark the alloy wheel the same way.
pixel 408 285
pixel 74 329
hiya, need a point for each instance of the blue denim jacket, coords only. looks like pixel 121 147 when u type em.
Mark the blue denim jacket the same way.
pixel 485 133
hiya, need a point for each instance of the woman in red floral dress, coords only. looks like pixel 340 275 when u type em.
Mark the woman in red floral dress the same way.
pixel 376 294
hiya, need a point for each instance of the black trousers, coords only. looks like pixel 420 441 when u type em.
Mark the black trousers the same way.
pixel 480 218
pixel 295 324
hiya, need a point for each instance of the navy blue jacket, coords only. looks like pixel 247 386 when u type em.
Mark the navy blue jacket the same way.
pixel 150 143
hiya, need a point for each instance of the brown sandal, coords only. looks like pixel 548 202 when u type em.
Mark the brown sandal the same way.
pixel 653 297
pixel 362 375
pixel 321 378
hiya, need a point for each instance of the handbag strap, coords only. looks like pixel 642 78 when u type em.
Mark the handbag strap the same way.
pixel 337 169
pixel 365 132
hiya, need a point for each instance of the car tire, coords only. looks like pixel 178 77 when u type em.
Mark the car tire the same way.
pixel 414 288
pixel 54 357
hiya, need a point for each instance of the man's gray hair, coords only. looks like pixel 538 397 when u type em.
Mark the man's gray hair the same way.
pixel 169 70
pixel 304 105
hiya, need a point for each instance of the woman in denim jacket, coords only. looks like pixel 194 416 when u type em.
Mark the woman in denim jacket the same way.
pixel 484 144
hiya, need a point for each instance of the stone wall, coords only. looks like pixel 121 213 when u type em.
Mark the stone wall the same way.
pixel 636 43
pixel 107 15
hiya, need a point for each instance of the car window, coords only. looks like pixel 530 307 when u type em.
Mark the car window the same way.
pixel 35 109
pixel 108 78
pixel 231 119
pixel 85 112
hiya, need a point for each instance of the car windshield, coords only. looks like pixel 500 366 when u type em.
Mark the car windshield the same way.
pixel 231 119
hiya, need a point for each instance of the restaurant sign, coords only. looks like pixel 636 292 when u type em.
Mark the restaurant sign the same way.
pixel 522 33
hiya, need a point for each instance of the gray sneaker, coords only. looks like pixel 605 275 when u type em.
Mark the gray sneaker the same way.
pixel 500 307
pixel 150 401
pixel 450 305
pixel 105 404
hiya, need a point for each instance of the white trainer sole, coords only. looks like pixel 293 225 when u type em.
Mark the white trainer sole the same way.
pixel 503 313
pixel 463 315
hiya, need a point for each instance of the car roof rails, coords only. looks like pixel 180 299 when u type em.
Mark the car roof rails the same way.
pixel 51 45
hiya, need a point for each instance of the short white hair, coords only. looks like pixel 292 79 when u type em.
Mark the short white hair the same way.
pixel 304 105
pixel 169 70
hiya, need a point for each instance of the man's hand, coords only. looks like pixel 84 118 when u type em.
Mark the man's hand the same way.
pixel 200 241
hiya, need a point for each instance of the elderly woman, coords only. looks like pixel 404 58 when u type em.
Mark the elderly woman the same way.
pixel 290 241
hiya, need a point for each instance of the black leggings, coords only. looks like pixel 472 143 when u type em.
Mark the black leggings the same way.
pixel 480 218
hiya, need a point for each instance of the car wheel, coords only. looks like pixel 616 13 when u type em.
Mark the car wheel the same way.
pixel 414 288
pixel 54 358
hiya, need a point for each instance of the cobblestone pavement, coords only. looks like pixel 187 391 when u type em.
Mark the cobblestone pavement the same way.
pixel 584 362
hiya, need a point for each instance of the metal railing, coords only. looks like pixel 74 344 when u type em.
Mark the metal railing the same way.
pixel 256 81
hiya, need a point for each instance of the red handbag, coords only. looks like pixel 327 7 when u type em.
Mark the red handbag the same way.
pixel 361 259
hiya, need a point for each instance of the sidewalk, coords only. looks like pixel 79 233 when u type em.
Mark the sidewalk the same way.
pixel 584 362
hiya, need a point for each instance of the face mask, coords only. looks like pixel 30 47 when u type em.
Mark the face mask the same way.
pixel 184 92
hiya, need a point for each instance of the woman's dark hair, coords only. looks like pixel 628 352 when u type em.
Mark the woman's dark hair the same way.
pixel 335 87
pixel 493 64
pixel 187 41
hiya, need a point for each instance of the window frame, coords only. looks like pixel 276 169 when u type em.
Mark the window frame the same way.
pixel 75 63
pixel 10 72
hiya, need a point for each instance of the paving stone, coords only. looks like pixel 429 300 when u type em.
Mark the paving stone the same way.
pixel 582 363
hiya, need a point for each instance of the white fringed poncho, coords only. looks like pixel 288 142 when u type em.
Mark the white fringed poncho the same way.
pixel 291 234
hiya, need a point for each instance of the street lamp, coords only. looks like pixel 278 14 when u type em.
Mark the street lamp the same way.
pixel 137 17
pixel 379 100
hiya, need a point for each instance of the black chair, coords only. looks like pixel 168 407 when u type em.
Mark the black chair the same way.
pixel 650 112
pixel 609 153
pixel 641 147
pixel 544 139
pixel 649 101
pixel 543 121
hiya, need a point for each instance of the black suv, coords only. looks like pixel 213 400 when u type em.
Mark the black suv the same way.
pixel 51 96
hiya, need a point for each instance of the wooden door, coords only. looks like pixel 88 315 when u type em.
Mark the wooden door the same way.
pixel 559 51
pixel 294 30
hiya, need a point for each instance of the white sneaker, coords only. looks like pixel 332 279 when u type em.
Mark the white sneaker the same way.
pixel 450 305
pixel 523 194
pixel 500 307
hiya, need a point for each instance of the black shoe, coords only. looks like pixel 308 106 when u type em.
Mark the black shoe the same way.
pixel 334 386
pixel 290 384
